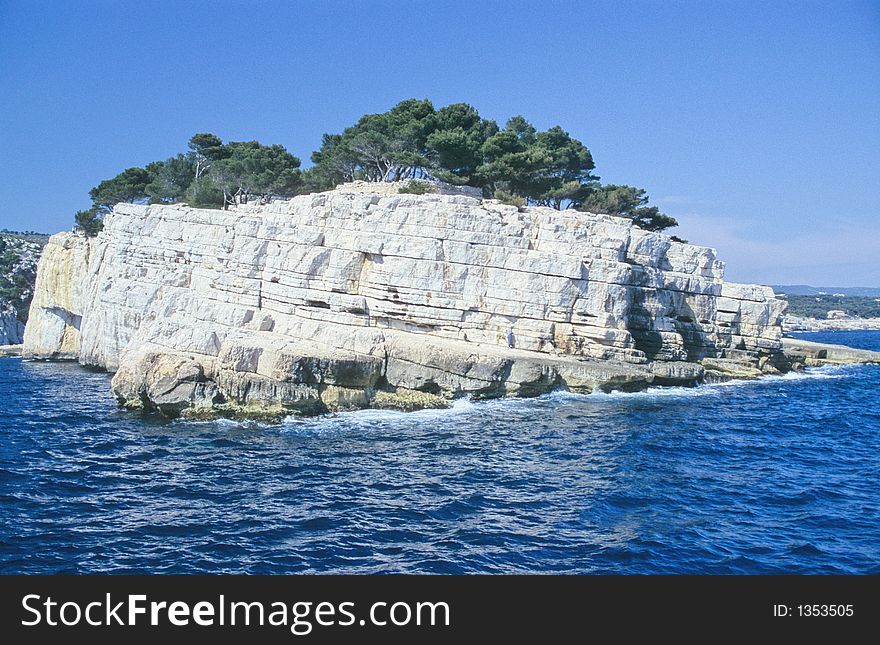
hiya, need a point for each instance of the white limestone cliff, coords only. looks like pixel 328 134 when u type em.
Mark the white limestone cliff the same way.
pixel 53 329
pixel 352 298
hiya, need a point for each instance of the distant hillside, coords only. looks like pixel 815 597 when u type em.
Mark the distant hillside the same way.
pixel 19 253
pixel 27 236
pixel 819 306
pixel 807 290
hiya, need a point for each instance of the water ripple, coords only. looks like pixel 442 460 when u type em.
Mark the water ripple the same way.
pixel 772 476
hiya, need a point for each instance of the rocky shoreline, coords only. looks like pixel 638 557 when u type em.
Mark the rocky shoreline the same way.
pixel 358 298
pixel 9 351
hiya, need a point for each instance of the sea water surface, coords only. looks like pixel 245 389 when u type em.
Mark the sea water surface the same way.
pixel 780 475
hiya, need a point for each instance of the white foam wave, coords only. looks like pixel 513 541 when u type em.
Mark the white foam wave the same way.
pixel 372 418
pixel 366 420
pixel 654 392
pixel 811 373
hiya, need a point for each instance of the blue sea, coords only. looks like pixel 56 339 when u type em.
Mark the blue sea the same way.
pixel 780 475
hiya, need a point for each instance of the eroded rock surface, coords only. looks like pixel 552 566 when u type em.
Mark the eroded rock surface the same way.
pixel 349 299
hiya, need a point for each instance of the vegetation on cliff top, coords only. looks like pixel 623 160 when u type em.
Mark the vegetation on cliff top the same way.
pixel 211 174
pixel 413 140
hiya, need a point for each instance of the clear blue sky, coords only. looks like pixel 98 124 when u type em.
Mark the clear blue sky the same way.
pixel 756 124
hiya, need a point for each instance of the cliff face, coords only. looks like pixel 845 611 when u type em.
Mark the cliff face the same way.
pixel 350 299
pixel 53 329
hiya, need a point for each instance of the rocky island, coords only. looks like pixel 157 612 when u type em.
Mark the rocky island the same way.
pixel 361 297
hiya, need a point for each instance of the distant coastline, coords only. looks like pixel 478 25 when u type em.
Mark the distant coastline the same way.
pixel 830 308
pixel 798 323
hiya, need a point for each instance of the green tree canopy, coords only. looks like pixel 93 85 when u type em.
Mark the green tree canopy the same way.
pixel 252 169
pixel 455 143
pixel 519 164
pixel 128 186
pixel 413 140
pixel 207 145
pixel 625 201
pixel 410 141
pixel 379 147
pixel 210 174
pixel 89 222
pixel 334 163
pixel 204 149
pixel 170 178
pixel 548 168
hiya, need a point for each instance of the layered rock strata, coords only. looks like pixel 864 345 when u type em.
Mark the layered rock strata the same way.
pixel 350 299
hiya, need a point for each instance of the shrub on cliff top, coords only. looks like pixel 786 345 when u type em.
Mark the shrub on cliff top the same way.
pixel 510 199
pixel 416 187
pixel 89 222
pixel 624 201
